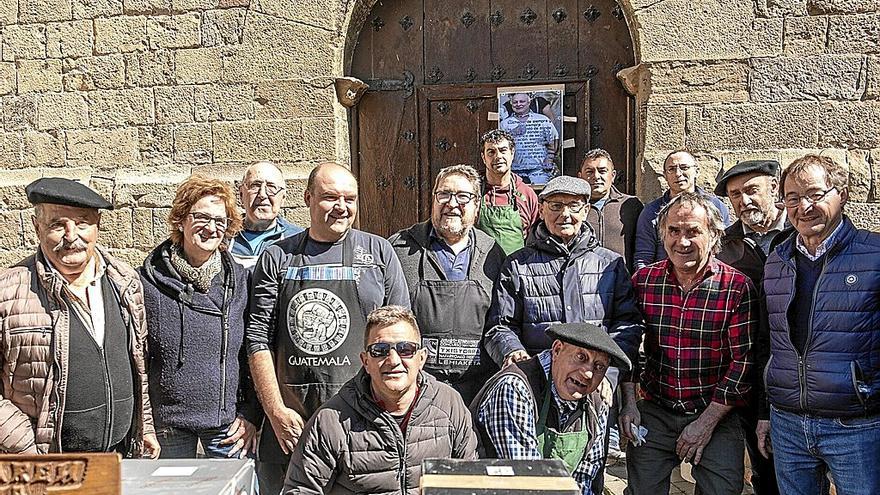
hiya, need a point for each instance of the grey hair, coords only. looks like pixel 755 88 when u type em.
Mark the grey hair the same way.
pixel 465 171
pixel 691 200
pixel 387 316
pixel 595 154
pixel 835 175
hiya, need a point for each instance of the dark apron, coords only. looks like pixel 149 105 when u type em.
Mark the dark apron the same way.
pixel 568 447
pixel 451 316
pixel 503 223
pixel 320 331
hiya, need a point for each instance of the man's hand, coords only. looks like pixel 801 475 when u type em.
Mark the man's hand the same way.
pixel 629 415
pixel 763 433
pixel 694 439
pixel 151 446
pixel 514 357
pixel 242 435
pixel 287 425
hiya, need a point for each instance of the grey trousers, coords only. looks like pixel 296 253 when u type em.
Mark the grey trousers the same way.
pixel 648 467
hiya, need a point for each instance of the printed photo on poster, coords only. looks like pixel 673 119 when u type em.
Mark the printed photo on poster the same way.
pixel 533 115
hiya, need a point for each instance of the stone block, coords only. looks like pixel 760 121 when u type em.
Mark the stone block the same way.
pixel 20 112
pixel 731 158
pixel 699 82
pixel 7 78
pixel 153 68
pixel 10 230
pixel 257 140
pixel 292 99
pixel 787 156
pixel 817 7
pixel 36 76
pixel 24 41
pixel 152 229
pixel 325 14
pixel 178 31
pixel 864 215
pixel 43 10
pixel 319 139
pixel 43 149
pixel 188 5
pixel 712 37
pixel 664 127
pixel 850 124
pixel 91 9
pixel 12 184
pixel 10 149
pixel 156 140
pixel 148 7
pixel 88 73
pixel 821 77
pixel 62 111
pixel 120 34
pixel 872 88
pixel 752 126
pixel 780 8
pixel 174 104
pixel 153 191
pixel 193 144
pixel 857 33
pixel 8 13
pixel 273 49
pixel 69 39
pixel 223 27
pixel 198 65
pixel 102 149
pixel 224 102
pixel 124 107
pixel 805 36
pixel 116 230
pixel 858 162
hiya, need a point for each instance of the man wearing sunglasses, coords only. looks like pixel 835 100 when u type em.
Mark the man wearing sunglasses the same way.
pixel 311 294
pixel 549 406
pixel 450 268
pixel 823 378
pixel 374 434
pixel 262 196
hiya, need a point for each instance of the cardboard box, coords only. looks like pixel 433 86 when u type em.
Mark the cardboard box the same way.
pixel 188 477
pixel 496 477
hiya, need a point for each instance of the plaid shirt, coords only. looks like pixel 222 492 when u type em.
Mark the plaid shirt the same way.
pixel 698 343
pixel 508 413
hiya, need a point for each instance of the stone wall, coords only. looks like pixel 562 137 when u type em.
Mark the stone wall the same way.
pixel 131 96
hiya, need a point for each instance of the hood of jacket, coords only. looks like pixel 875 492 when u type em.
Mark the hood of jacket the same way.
pixel 158 271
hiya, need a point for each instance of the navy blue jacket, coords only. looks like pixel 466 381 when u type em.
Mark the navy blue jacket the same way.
pixel 547 282
pixel 196 361
pixel 839 373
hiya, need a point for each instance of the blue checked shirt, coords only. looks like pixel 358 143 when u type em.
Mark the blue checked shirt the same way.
pixel 508 413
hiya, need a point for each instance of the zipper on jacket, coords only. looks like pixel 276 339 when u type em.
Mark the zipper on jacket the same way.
pixel 802 358
pixel 109 389
pixel 223 347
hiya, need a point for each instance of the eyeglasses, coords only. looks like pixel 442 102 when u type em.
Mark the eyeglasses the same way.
pixel 271 189
pixel 404 349
pixel 574 207
pixel 675 168
pixel 201 220
pixel 793 200
pixel 461 197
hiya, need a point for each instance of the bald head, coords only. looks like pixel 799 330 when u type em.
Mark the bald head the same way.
pixel 262 194
pixel 332 197
pixel 328 169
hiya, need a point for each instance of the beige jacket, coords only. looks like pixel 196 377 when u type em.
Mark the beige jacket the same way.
pixel 34 343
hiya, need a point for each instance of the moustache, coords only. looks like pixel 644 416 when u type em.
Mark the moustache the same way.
pixel 77 245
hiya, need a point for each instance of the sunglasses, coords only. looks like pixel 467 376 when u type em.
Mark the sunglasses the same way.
pixel 404 349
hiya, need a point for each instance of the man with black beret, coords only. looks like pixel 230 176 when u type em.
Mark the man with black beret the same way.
pixel 73 337
pixel 753 188
pixel 551 406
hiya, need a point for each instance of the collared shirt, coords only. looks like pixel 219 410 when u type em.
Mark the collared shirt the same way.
pixel 454 265
pixel 508 413
pixel 88 301
pixel 823 246
pixel 698 343
pixel 766 239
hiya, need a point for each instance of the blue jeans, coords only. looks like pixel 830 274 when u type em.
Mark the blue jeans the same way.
pixel 178 443
pixel 807 447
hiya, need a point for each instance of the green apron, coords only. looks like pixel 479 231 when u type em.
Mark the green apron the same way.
pixel 503 223
pixel 568 447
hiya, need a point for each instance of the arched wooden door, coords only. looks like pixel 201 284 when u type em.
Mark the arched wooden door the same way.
pixel 433 67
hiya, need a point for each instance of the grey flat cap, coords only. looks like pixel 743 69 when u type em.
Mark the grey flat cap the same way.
pixel 566 184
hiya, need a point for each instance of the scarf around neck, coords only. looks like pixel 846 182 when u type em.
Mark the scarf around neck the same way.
pixel 199 277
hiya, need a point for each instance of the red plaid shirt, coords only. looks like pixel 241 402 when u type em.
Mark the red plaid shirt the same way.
pixel 697 343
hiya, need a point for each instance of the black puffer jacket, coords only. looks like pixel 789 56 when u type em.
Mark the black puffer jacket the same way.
pixel 351 445
pixel 197 366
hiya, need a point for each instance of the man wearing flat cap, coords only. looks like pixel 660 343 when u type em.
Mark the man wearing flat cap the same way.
pixel 73 333
pixel 753 188
pixel 550 406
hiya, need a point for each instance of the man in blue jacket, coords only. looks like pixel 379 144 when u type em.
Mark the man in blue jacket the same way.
pixel 823 377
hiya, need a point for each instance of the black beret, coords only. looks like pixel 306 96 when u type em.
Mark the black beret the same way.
pixel 766 167
pixel 60 191
pixel 590 336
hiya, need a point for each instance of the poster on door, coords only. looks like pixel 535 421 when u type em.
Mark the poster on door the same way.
pixel 533 116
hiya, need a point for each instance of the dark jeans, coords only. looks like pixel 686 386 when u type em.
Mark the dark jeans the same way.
pixel 270 476
pixel 648 467
pixel 178 443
